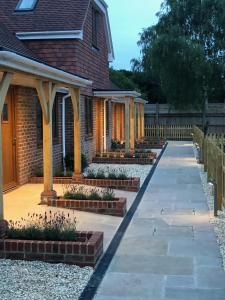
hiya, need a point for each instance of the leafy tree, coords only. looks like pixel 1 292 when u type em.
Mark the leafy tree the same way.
pixel 123 79
pixel 185 50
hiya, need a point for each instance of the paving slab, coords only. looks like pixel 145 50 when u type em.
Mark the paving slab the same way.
pixel 169 251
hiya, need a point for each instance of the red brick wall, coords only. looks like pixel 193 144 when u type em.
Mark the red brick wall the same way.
pixel 29 153
pixel 88 145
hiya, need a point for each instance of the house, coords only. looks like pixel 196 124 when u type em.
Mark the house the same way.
pixel 56 95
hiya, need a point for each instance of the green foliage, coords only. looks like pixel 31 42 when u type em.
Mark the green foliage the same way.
pixel 185 50
pixel 46 227
pixel 77 192
pixel 69 161
pixel 123 79
pixel 108 194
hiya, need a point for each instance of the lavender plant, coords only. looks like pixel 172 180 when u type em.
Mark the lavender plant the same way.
pixel 49 226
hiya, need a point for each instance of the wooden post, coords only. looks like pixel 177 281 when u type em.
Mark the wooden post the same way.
pixel 47 92
pixel 142 121
pixel 127 126
pixel 75 96
pixel 139 121
pixel 132 111
pixel 135 122
pixel 4 86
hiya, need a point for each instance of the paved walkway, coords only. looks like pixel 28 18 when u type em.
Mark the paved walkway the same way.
pixel 169 251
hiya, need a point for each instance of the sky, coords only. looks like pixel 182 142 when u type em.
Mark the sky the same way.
pixel 127 20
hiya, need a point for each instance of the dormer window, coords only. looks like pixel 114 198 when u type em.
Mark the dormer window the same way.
pixel 95 21
pixel 26 5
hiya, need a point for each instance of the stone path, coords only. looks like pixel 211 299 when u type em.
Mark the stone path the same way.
pixel 169 251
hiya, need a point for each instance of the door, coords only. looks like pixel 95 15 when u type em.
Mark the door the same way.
pixel 8 143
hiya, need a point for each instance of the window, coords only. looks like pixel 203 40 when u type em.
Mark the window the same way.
pixel 26 4
pixel 95 17
pixel 89 116
pixel 55 123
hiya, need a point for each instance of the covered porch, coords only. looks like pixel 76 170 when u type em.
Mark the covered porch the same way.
pixel 127 118
pixel 17 70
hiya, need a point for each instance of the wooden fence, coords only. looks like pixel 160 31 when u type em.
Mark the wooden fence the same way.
pixel 213 157
pixel 171 132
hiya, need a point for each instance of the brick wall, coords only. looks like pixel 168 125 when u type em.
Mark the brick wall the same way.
pixel 29 153
pixel 88 144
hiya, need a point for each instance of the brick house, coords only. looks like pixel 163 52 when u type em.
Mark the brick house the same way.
pixel 71 39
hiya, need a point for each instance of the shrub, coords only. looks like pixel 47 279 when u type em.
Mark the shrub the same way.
pixel 122 175
pixel 91 174
pixel 112 174
pixel 44 227
pixel 69 162
pixel 100 174
pixel 115 144
pixel 76 192
pixel 108 194
pixel 95 195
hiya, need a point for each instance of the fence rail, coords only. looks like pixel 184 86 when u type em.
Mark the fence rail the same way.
pixel 169 132
pixel 213 157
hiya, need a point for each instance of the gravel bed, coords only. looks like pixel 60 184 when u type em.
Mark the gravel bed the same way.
pixel 218 222
pixel 21 280
pixel 141 171
pixel 131 170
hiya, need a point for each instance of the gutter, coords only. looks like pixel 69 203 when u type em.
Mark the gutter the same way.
pixel 17 62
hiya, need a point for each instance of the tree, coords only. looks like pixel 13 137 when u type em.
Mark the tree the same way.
pixel 185 50
pixel 148 87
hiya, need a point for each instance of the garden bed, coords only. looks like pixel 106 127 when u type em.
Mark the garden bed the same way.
pixel 85 251
pixel 115 207
pixel 150 144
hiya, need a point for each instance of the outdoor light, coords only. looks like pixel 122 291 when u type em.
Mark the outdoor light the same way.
pixel 198 153
pixel 213 187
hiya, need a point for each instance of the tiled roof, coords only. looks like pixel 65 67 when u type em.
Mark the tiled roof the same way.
pixel 11 43
pixel 48 15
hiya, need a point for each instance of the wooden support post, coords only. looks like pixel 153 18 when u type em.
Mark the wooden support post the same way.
pixel 142 121
pixel 75 96
pixel 4 86
pixel 127 126
pixel 122 132
pixel 47 92
pixel 132 127
pixel 135 122
pixel 139 121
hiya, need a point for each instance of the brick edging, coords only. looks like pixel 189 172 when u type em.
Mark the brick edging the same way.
pixel 115 207
pixel 130 184
pixel 84 252
pixel 123 160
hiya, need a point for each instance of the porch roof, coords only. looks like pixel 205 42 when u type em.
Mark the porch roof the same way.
pixel 136 100
pixel 27 70
pixel 116 94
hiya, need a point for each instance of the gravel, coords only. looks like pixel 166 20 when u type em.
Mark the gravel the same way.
pixel 218 222
pixel 23 280
pixel 131 170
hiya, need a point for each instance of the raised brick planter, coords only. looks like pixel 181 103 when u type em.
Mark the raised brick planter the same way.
pixel 116 207
pixel 130 184
pixel 84 252
pixel 150 145
pixel 124 160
